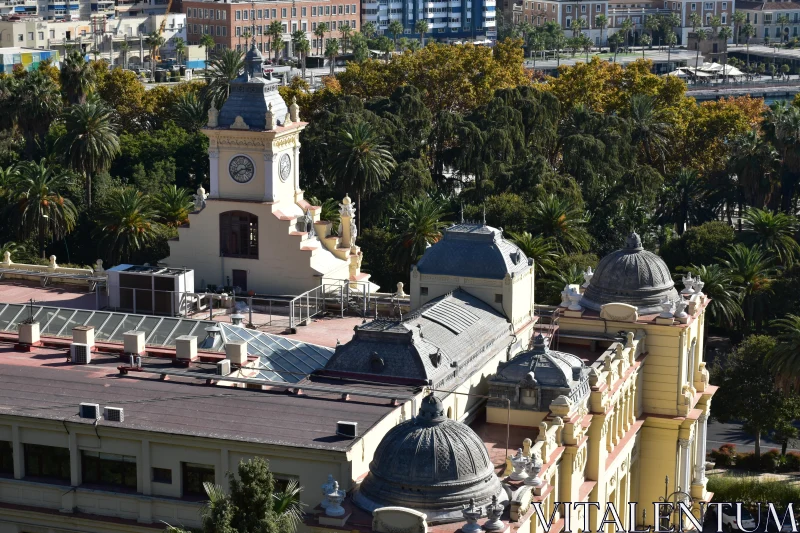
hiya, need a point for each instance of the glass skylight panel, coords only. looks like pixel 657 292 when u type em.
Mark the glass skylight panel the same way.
pixel 162 332
pixel 129 323
pixel 97 320
pixel 185 327
pixel 149 324
pixel 57 322
pixel 111 325
pixel 8 314
pixel 78 319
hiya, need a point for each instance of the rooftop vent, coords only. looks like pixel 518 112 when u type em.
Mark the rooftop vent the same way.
pixel 83 335
pixel 80 354
pixel 114 414
pixel 347 429
pixel 236 351
pixel 224 367
pixel 134 342
pixel 186 348
pixel 89 410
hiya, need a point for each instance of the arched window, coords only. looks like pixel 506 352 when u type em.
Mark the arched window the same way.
pixel 238 234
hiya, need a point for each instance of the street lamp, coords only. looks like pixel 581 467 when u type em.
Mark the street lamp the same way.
pixel 672 500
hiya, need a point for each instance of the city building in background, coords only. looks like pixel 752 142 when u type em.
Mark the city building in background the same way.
pixel 447 19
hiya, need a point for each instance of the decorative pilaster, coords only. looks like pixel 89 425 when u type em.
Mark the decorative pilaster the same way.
pixel 213 161
pixel 270 176
pixel 700 455
pixel 684 463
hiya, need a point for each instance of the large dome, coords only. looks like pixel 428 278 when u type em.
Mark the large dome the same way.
pixel 632 276
pixel 431 464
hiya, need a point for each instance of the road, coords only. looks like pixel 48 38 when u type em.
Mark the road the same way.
pixel 719 434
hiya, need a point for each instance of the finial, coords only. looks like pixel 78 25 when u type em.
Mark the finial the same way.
pixel 634 242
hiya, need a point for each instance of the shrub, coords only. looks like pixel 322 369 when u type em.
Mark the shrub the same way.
pixel 725 456
pixel 751 490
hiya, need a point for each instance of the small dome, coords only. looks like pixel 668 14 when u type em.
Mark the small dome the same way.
pixel 632 276
pixel 430 464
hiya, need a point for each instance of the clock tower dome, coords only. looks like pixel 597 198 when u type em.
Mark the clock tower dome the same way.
pixel 270 239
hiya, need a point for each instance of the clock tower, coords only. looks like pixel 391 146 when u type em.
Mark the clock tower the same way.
pixel 270 240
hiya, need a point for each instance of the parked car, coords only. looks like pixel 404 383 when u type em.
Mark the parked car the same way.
pixel 729 520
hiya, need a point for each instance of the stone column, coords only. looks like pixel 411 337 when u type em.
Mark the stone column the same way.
pixel 684 464
pixel 213 161
pixel 296 167
pixel 16 447
pixel 700 455
pixel 74 460
pixel 270 177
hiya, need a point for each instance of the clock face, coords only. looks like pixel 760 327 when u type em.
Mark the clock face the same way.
pixel 286 166
pixel 241 169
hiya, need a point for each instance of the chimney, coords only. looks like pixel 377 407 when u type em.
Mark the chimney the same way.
pixel 186 348
pixel 83 335
pixel 236 351
pixel 134 342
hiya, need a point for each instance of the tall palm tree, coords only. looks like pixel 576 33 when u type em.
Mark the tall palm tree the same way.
pixel 541 249
pixel 345 31
pixel 753 160
pixel 396 29
pixel 124 48
pixel 413 45
pixel 783 21
pixel 361 161
pixel 625 28
pixel 368 29
pixel 35 103
pixel 700 35
pixel 174 205
pixel 420 223
pixel 601 21
pixel 650 130
pixel 752 274
pixel 421 27
pixel 223 69
pixel 90 140
pixel 748 31
pixel 775 233
pixel 577 25
pixel 129 221
pixel 652 24
pixel 207 42
pixel 783 128
pixel 37 204
pixel 77 78
pixel 275 32
pixel 180 48
pixel 738 19
pixel 303 48
pixel 190 111
pixel 331 51
pixel 671 39
pixel 724 34
pixel 154 41
pixel 386 46
pixel 683 201
pixel 645 41
pixel 725 308
pixel 785 357
pixel 558 219
pixel 319 33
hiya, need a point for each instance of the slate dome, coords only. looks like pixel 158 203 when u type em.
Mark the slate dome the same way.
pixel 632 276
pixel 430 464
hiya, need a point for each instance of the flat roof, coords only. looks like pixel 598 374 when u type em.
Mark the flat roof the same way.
pixel 42 385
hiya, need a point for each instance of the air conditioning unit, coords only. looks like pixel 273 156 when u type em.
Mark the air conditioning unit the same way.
pixel 224 367
pixel 114 414
pixel 347 429
pixel 90 410
pixel 81 354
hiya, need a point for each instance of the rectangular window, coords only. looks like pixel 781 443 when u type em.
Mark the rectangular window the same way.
pixel 283 12
pixel 327 10
pixel 224 31
pixel 193 476
pixel 238 31
pixel 283 28
pixel 694 7
pixel 724 19
pixel 246 15
pixel 224 15
pixel 583 8
pixel 347 9
pixel 6 458
pixel 252 14
pixel 238 15
pixel 423 291
pixel 569 9
pixel 53 32
pixel 303 11
pixel 724 6
pixel 162 475
pixel 755 18
pixel 49 462
pixel 313 11
pixel 353 9
pixel 313 26
pixel 767 18
pixel 274 13
pixel 30 35
pixel 294 12
pixel 107 469
pixel 353 24
pixel 41 36
pixel 304 26
pixel 260 14
pixel 341 10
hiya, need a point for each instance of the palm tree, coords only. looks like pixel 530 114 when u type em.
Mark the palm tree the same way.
pixel 386 46
pixel 207 42
pixel 785 357
pixel 180 48
pixel 303 47
pixel 402 44
pixel 421 27
pixel 725 307
pixel 626 27
pixel 748 31
pixel 684 198
pixel 223 69
pixel 650 129
pixel 558 219
pixel 37 204
pixel 537 44
pixel 752 274
pixel 77 78
pixel 360 161
pixel 644 41
pixel 345 31
pixel 413 45
pixel 190 111
pixel 124 48
pixel 129 221
pixel 652 24
pixel 752 160
pixel 775 233
pixel 700 36
pixel 319 33
pixel 783 21
pixel 738 19
pixel 724 34
pixel 368 29
pixel 421 225
pixel 275 32
pixel 154 41
pixel 577 25
pixel 395 28
pixel 90 140
pixel 671 40
pixel 601 21
pixel 174 205
pixel 35 103
pixel 331 51
pixel 540 249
